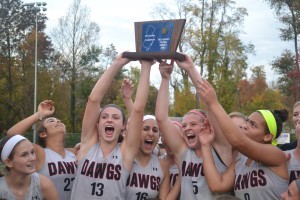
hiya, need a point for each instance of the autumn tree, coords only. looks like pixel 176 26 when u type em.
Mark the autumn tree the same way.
pixel 254 94
pixel 211 38
pixel 287 80
pixel 73 37
pixel 288 13
pixel 15 25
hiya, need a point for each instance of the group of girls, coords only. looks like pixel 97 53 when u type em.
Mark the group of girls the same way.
pixel 210 155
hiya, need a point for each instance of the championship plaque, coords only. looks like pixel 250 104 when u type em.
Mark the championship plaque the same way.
pixel 157 40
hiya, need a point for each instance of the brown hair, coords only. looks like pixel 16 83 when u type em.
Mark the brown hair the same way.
pixel 3 142
pixel 280 117
pixel 117 107
pixel 42 129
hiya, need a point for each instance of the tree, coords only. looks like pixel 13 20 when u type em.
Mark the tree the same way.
pixel 288 12
pixel 211 39
pixel 74 37
pixel 15 23
pixel 285 66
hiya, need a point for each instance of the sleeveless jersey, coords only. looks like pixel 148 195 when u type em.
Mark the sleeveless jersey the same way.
pixel 61 171
pixel 34 192
pixel 144 182
pixel 193 182
pixel 173 171
pixel 257 182
pixel 100 178
pixel 293 166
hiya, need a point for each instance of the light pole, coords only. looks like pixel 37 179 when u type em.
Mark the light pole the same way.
pixel 35 7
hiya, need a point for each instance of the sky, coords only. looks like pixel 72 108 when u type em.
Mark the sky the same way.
pixel 116 19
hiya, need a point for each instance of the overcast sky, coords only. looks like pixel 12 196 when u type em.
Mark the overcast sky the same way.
pixel 116 19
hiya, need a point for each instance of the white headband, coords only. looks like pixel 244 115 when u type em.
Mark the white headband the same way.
pixel 146 117
pixel 9 145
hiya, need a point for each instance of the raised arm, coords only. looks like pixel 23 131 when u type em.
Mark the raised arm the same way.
pixel 220 142
pixel 136 117
pixel 167 128
pixel 266 154
pixel 126 93
pixel 216 181
pixel 89 134
pixel 45 109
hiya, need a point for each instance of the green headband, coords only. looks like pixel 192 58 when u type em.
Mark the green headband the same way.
pixel 271 123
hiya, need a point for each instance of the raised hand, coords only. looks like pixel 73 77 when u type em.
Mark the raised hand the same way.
pixel 46 108
pixel 166 69
pixel 120 60
pixel 127 88
pixel 186 64
pixel 206 135
pixel 207 93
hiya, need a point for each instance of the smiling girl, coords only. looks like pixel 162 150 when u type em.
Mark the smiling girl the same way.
pixel 53 160
pixel 21 181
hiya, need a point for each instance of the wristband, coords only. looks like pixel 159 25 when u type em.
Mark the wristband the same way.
pixel 40 116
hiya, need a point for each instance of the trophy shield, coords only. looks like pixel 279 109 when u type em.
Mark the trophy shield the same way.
pixel 157 40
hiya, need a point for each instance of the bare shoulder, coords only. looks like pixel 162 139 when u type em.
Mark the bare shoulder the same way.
pixel 163 163
pixel 48 189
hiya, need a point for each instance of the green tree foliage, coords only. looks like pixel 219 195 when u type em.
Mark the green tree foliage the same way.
pixel 74 37
pixel 288 13
pixel 15 24
pixel 211 37
pixel 284 66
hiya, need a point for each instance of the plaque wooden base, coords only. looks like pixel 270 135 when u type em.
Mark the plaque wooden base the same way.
pixel 153 55
pixel 157 40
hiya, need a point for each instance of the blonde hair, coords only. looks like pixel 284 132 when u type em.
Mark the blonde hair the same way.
pixel 296 104
pixel 237 114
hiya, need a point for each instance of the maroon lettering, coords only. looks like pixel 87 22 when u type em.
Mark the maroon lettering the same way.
pixel 101 170
pixel 52 169
pixel 173 178
pixel 262 180
pixel 133 182
pixel 252 179
pixel 153 182
pixel 84 167
pixel 117 172
pixel 192 169
pixel 90 171
pixel 294 174
pixel 110 172
pixel 143 180
pixel 61 169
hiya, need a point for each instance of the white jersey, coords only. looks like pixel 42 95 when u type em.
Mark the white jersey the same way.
pixel 34 192
pixel 173 171
pixel 293 166
pixel 144 182
pixel 257 181
pixel 61 171
pixel 193 182
pixel 100 178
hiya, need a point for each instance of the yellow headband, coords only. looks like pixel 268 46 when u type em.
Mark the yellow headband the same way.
pixel 271 123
